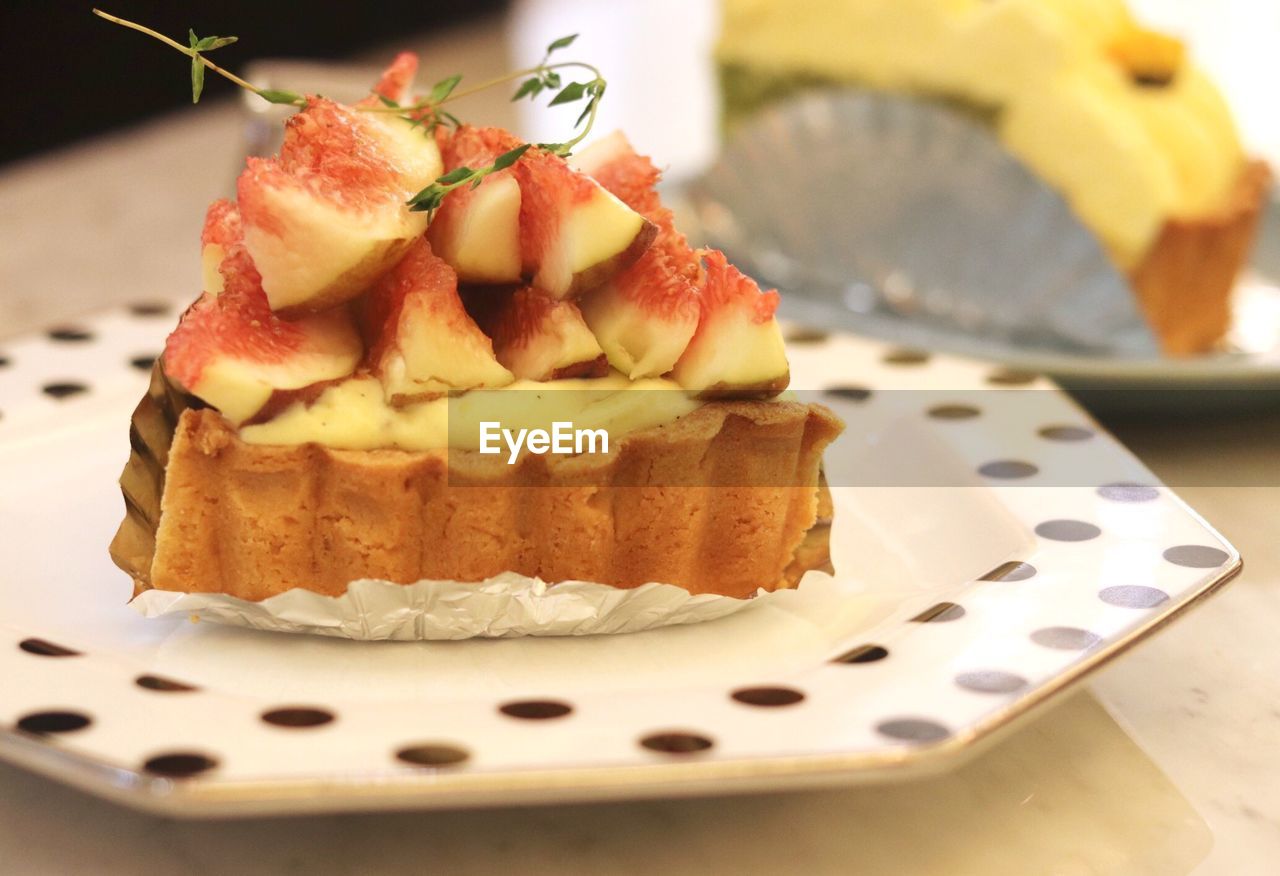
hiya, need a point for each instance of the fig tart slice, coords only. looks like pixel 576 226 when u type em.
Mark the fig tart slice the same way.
pixel 319 415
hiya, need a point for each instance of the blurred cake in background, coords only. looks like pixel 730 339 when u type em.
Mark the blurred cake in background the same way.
pixel 1114 116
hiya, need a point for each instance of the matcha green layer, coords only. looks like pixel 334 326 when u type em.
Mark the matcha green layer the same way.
pixel 746 90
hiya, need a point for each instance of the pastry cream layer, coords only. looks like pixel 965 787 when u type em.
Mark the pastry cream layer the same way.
pixel 354 414
pixel 1127 156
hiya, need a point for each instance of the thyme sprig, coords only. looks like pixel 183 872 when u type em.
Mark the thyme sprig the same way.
pixel 545 76
pixel 431 197
pixel 195 50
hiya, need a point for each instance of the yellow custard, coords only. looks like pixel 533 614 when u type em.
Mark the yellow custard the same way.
pixel 354 414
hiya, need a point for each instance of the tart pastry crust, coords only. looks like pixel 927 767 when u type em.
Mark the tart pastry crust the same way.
pixel 1184 282
pixel 719 501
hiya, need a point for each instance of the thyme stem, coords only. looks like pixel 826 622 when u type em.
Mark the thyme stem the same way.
pixel 186 50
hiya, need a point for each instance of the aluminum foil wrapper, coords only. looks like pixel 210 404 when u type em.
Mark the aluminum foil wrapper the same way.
pixel 506 605
pixel 908 219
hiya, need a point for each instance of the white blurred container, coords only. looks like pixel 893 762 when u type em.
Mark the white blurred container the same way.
pixel 657 58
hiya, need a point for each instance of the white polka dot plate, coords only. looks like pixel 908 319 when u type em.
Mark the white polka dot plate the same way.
pixel 1005 547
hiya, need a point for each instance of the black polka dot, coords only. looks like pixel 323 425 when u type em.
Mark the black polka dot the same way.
pixel 1128 493
pixel 1133 596
pixel 805 335
pixel 676 742
pixel 142 363
pixel 913 730
pixel 1010 571
pixel 53 722
pixel 4 361
pixel 863 654
pixel 433 755
pixel 536 710
pixel 848 393
pixel 179 764
pixel 1066 433
pixel 149 308
pixel 1196 556
pixel 63 389
pixel 1011 378
pixel 1066 638
pixel 906 357
pixel 298 717
pixel 162 684
pixel 1008 469
pixel 954 412
pixel 991 681
pixel 1067 530
pixel 768 696
pixel 44 648
pixel 70 334
pixel 940 613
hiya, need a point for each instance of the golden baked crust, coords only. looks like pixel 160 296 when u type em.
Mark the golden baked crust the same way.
pixel 1184 282
pixel 716 502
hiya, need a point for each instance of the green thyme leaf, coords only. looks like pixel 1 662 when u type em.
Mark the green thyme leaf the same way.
pixel 551 79
pixel 571 92
pixel 585 112
pixel 563 43
pixel 386 101
pixel 530 87
pixel 457 175
pixel 427 200
pixel 506 159
pixel 209 43
pixel 197 78
pixel 444 88
pixel 272 95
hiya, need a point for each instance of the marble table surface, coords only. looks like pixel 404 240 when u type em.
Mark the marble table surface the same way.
pixel 1168 762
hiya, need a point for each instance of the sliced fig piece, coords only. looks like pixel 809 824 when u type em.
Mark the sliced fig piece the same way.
pixel 222 233
pixel 539 337
pixel 737 349
pixel 232 352
pixel 423 341
pixel 554 228
pixel 327 216
pixel 396 82
pixel 615 164
pixel 574 234
pixel 477 231
pixel 644 316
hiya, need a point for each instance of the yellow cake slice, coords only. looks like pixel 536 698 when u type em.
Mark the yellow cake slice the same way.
pixel 1114 116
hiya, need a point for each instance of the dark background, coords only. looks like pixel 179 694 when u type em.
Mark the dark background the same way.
pixel 68 74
